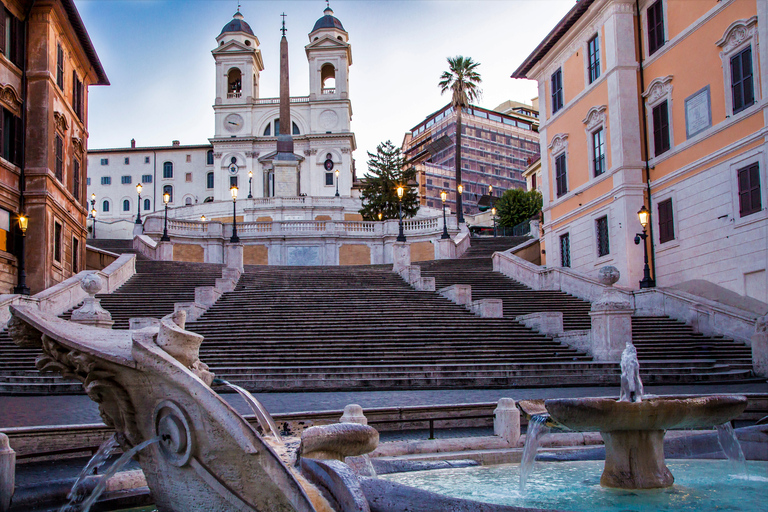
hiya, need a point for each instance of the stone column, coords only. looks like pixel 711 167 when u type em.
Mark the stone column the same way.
pixel 164 251
pixel 760 347
pixel 233 256
pixel 91 312
pixel 506 422
pixel 401 256
pixel 611 320
pixel 7 473
pixel 446 249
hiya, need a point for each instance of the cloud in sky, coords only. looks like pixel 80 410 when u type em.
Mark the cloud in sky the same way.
pixel 157 54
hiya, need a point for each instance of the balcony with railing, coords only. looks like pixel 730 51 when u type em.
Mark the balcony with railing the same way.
pixel 330 90
pixel 234 94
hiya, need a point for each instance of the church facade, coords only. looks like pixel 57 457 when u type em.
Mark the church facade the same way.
pixel 242 151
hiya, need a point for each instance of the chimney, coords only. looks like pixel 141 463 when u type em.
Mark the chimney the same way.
pixel 176 143
pixel 133 143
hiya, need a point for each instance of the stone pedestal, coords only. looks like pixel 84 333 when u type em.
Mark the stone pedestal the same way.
pixel 461 294
pixel 611 320
pixel 401 256
pixel 138 229
pixel 546 322
pixel 634 459
pixel 7 473
pixel 233 256
pixel 760 347
pixel 506 422
pixel 488 308
pixel 91 312
pixel 164 251
pixel 446 249
pixel 286 178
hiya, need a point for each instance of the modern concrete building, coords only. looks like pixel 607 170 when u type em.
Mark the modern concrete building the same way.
pixel 47 64
pixel 679 128
pixel 243 147
pixel 496 146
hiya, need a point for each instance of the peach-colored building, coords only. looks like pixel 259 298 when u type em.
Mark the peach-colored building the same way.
pixel 659 103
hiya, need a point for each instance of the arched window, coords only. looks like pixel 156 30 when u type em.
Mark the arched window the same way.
pixel 168 190
pixel 188 201
pixel 295 129
pixel 105 206
pixel 147 204
pixel 167 170
pixel 209 180
pixel 209 157
pixel 208 199
pixel 235 83
pixel 328 79
pixel 126 205
pixel 268 129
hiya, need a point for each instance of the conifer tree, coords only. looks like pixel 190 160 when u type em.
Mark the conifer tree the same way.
pixel 517 205
pixel 386 171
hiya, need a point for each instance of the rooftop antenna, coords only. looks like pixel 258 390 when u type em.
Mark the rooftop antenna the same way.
pixel 283 29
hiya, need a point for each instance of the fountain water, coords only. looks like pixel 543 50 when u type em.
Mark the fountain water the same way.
pixel 77 494
pixel 537 429
pixel 261 413
pixel 731 447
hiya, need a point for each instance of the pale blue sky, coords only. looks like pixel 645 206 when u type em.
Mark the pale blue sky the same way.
pixel 157 56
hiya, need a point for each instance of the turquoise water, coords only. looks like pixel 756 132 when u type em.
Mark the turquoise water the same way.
pixel 700 486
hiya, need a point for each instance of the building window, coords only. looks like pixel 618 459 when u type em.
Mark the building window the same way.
pixel 565 250
pixel 557 90
pixel 666 224
pixel 59 168
pixel 232 181
pixel 11 37
pixel 77 95
pixel 126 205
pixel 105 161
pixel 105 206
pixel 127 160
pixel 655 27
pixel 209 157
pixel 189 158
pixel 168 190
pixel 742 86
pixel 661 128
pixel 146 159
pixel 60 66
pixel 75 251
pixel 603 246
pixel 167 170
pixel 561 177
pixel 188 201
pixel 147 204
pixel 88 182
pixel 188 177
pixel 593 54
pixel 10 136
pixel 329 179
pixel 146 178
pixel 76 179
pixel 209 180
pixel 598 152
pixel 749 190
pixel 126 180
pixel 57 241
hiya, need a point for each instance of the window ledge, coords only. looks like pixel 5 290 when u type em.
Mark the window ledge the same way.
pixel 740 222
pixel 671 244
pixel 603 260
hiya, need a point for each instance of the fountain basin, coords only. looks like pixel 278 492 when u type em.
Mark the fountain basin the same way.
pixel 633 432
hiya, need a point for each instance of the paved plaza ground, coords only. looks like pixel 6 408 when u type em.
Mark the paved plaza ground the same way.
pixel 28 411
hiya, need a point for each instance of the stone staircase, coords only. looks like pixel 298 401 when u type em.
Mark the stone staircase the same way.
pixel 117 246
pixel 484 247
pixel 663 344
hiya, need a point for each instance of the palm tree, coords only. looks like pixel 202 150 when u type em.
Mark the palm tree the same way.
pixel 463 81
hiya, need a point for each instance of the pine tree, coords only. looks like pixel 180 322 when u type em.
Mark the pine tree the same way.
pixel 386 171
pixel 517 205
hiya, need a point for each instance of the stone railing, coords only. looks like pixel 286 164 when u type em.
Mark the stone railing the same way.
pixel 67 294
pixel 705 316
pixel 276 101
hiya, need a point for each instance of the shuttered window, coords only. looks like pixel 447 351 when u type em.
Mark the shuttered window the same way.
pixel 661 128
pixel 557 90
pixel 598 152
pixel 60 66
pixel 655 27
pixel 561 177
pixel 742 87
pixel 666 221
pixel 749 190
pixel 76 179
pixel 59 169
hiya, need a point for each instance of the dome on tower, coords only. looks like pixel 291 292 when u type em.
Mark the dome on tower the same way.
pixel 328 21
pixel 238 24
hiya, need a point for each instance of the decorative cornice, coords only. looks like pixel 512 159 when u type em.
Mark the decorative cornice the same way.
pixel 10 97
pixel 559 142
pixel 77 143
pixel 217 155
pixel 345 150
pixel 738 32
pixel 595 117
pixel 658 88
pixel 60 120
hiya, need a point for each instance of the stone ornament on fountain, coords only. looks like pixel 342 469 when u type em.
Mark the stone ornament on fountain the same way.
pixel 183 345
pixel 631 385
pixel 760 347
pixel 91 312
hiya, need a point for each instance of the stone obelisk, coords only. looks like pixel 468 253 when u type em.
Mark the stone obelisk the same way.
pixel 285 164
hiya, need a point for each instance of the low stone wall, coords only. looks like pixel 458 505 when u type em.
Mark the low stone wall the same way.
pixel 97 259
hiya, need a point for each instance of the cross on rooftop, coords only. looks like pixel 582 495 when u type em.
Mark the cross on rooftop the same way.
pixel 283 29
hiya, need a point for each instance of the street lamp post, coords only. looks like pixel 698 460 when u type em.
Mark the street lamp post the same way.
pixel 93 214
pixel 380 216
pixel 401 234
pixel 444 196
pixel 644 215
pixel 460 213
pixel 138 213
pixel 337 183
pixel 234 239
pixel 166 200
pixel 490 190
pixel 250 180
pixel 493 212
pixel 22 287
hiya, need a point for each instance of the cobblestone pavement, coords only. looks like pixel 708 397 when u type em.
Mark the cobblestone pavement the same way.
pixel 28 411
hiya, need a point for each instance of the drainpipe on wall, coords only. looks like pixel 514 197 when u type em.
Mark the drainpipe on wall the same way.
pixel 652 261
